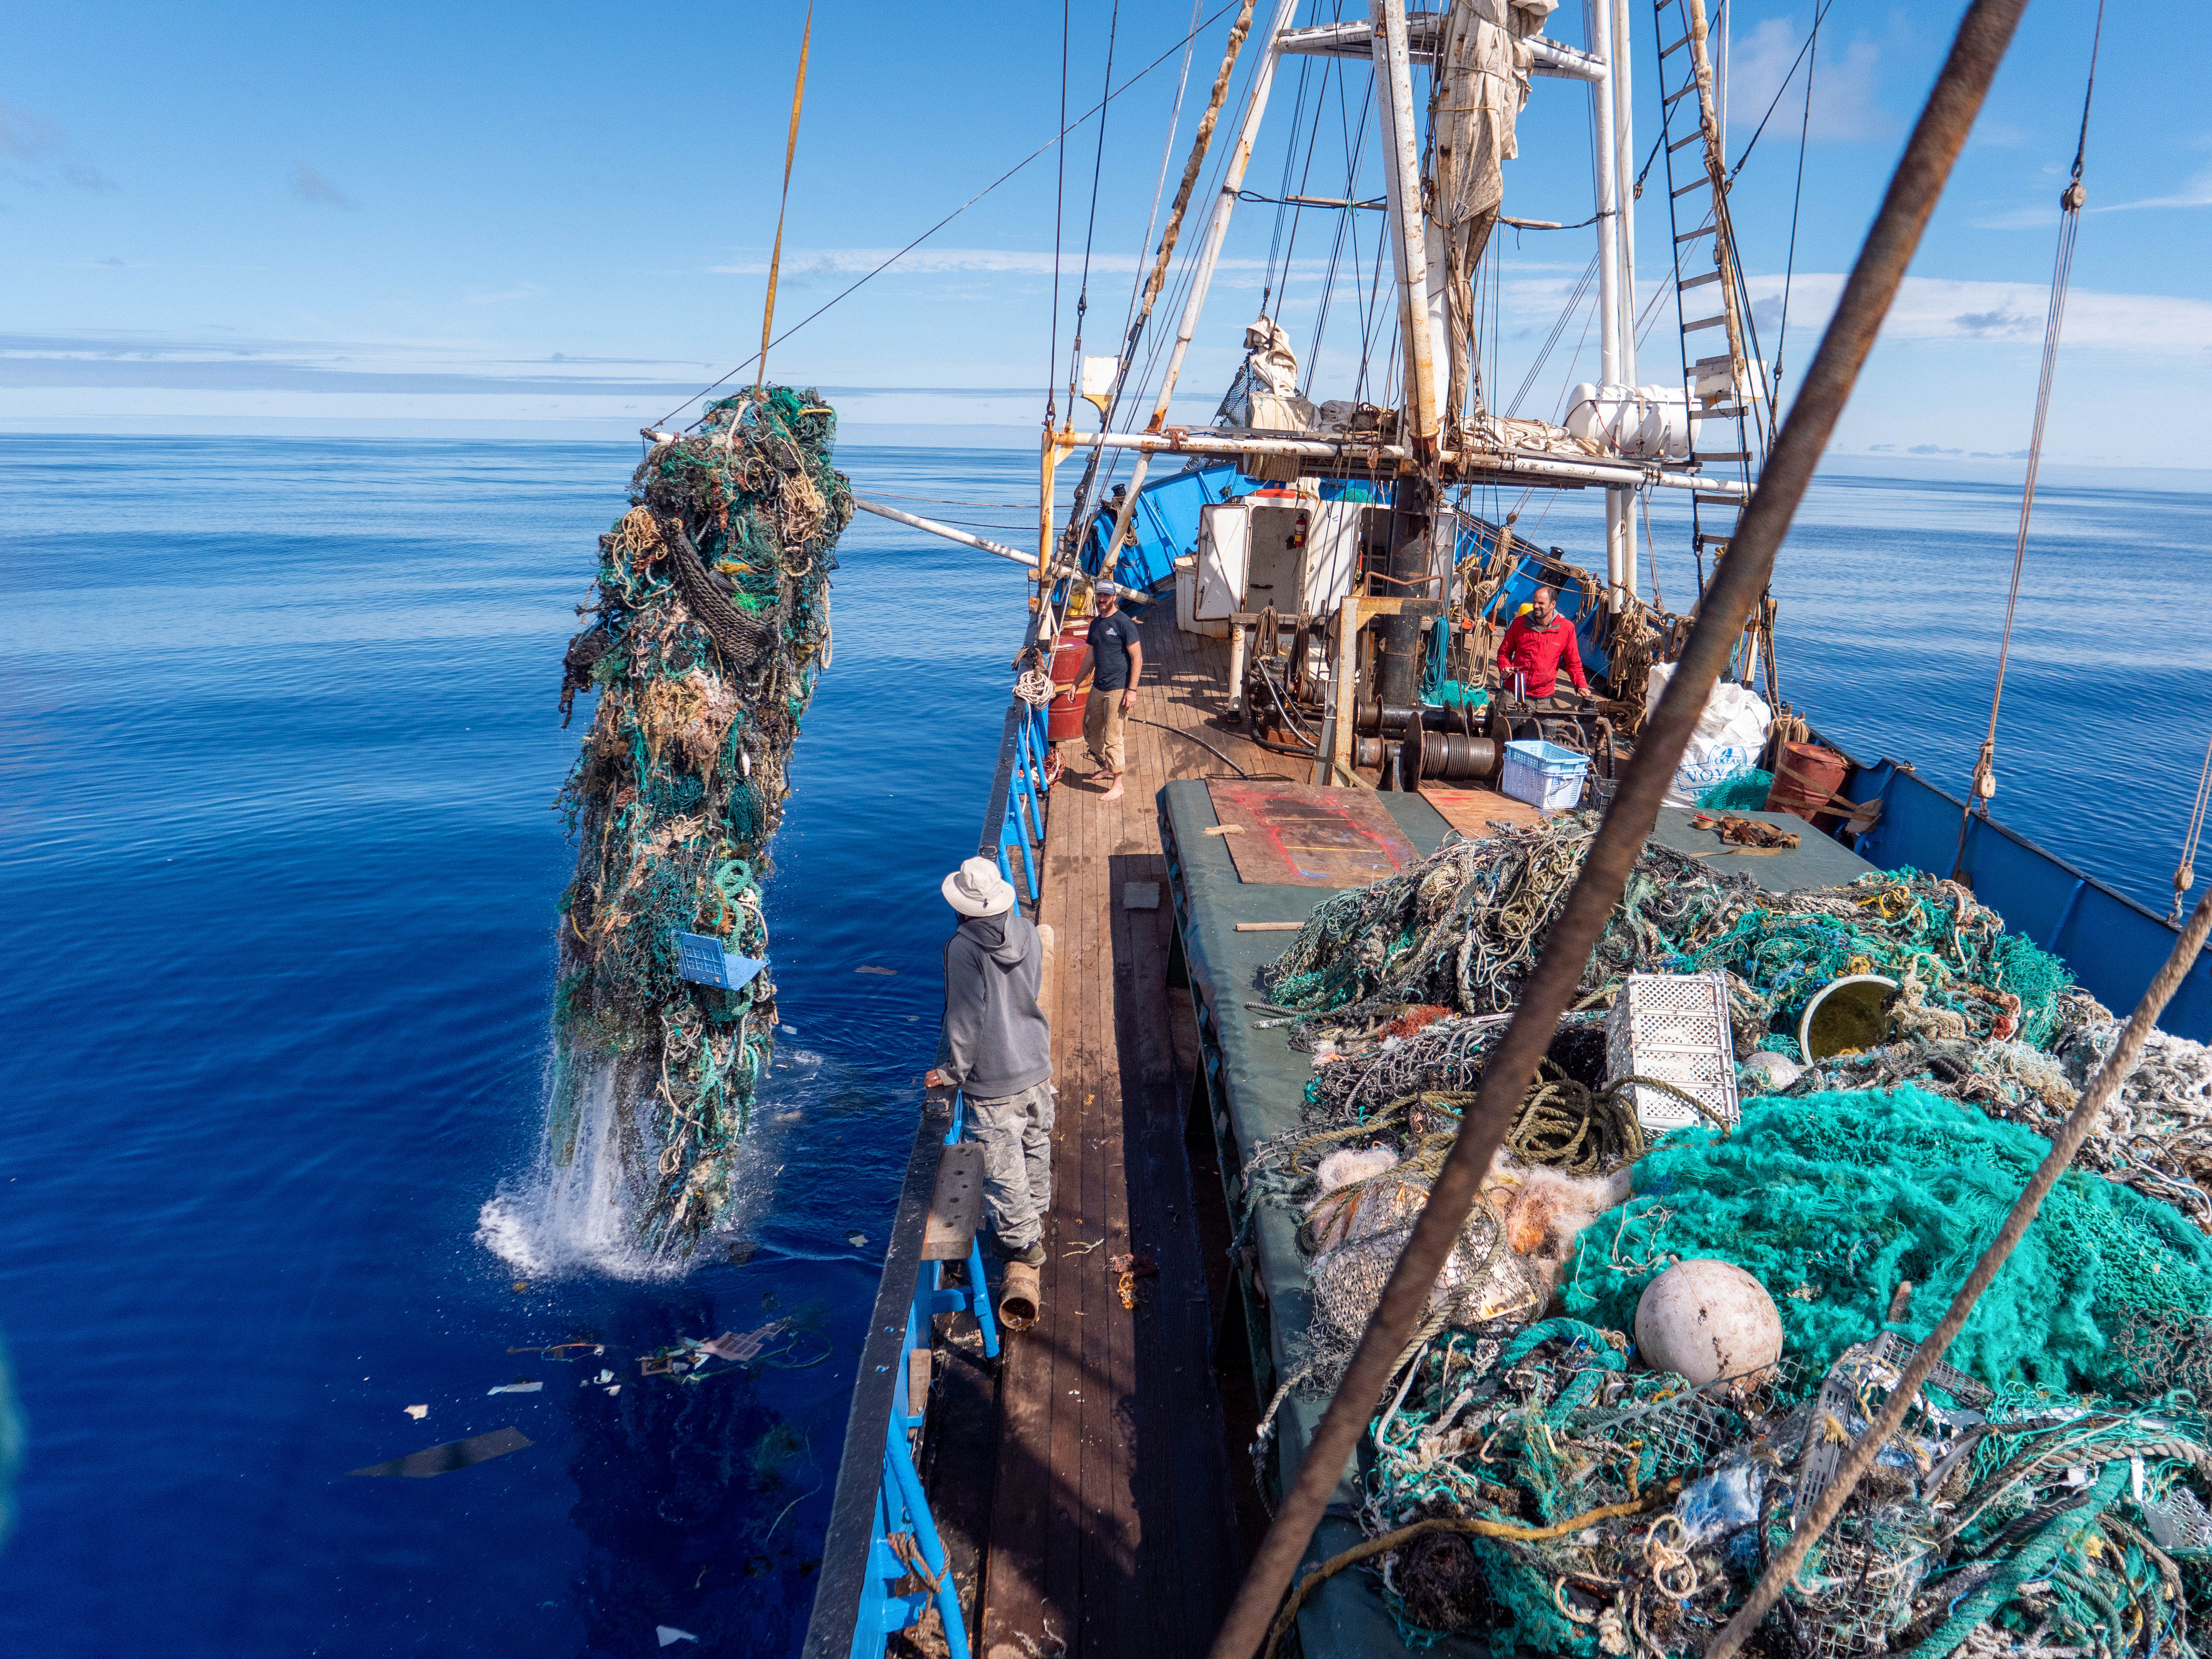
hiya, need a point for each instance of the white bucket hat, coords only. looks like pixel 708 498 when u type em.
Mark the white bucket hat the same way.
pixel 976 889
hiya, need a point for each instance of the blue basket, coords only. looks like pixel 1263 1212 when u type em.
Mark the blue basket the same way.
pixel 1544 775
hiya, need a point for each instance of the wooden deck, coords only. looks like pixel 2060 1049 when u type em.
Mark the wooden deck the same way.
pixel 1117 1517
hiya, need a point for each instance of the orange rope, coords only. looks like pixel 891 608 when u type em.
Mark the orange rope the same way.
pixel 790 149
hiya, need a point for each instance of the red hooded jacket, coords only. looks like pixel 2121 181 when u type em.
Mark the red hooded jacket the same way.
pixel 1538 653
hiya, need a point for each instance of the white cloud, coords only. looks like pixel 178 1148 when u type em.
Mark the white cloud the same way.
pixel 1844 106
pixel 1937 308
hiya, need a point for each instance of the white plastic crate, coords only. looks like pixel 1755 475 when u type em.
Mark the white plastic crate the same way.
pixel 1674 1027
pixel 1543 773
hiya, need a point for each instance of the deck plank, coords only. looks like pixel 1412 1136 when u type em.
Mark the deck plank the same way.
pixel 1112 1530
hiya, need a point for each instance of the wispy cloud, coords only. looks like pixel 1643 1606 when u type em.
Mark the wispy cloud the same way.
pixel 310 186
pixel 36 150
pixel 1845 109
pixel 2194 192
pixel 1936 309
pixel 828 262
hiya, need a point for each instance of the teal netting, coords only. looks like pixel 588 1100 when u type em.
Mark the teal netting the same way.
pixel 1746 793
pixel 1831 1201
pixel 712 623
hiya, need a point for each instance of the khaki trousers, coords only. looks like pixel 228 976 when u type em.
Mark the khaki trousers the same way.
pixel 1101 728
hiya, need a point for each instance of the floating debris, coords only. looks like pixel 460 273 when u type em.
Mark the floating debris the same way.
pixel 453 1454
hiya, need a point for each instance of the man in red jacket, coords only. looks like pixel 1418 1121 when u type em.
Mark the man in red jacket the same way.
pixel 1529 656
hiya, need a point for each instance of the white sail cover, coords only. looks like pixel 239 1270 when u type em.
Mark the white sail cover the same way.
pixel 1264 393
pixel 1481 87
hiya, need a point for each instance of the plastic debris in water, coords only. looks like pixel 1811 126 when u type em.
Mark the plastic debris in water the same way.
pixel 873 970
pixel 418 1412
pixel 453 1454
pixel 520 1385
pixel 669 1633
pixel 856 1238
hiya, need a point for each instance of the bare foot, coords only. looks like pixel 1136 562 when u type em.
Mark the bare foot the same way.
pixel 1115 793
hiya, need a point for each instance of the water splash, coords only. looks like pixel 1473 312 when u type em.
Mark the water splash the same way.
pixel 577 1210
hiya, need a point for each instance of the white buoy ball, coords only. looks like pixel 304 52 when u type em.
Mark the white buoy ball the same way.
pixel 1707 1320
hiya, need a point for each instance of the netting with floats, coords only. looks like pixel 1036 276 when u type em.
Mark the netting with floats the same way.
pixel 711 624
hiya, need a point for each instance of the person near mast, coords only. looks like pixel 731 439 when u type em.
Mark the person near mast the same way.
pixel 1530 657
pixel 1117 661
pixel 995 1046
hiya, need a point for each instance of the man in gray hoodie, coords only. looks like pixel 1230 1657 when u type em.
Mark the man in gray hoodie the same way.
pixel 995 1048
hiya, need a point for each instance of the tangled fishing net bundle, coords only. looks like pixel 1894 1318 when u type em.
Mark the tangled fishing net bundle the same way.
pixel 712 623
pixel 2068 1523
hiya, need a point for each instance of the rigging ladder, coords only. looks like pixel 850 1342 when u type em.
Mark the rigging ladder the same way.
pixel 1730 385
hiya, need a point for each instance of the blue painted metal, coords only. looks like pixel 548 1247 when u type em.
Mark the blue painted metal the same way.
pixel 705 960
pixel 1163 526
pixel 2111 944
pixel 1022 819
pixel 904 1530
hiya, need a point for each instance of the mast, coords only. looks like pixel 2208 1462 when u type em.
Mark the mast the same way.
pixel 1409 242
pixel 1616 303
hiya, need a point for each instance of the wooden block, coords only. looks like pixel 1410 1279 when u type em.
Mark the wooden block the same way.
pixel 955 1204
pixel 1224 829
pixel 917 1381
pixel 1269 926
pixel 1140 896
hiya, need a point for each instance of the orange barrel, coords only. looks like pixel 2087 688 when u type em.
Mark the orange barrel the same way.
pixel 1808 776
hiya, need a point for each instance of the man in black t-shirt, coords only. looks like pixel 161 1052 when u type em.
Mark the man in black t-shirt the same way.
pixel 1117 658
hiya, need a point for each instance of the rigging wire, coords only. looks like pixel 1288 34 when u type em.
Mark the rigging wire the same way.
pixel 875 271
pixel 1551 341
pixel 790 150
pixel 1798 197
pixel 2070 201
pixel 2184 874
pixel 1059 206
pixel 1090 227
pixel 1820 16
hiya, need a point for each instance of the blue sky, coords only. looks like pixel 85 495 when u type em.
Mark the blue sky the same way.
pixel 556 219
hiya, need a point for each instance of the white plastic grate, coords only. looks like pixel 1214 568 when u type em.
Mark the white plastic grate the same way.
pixel 1674 1027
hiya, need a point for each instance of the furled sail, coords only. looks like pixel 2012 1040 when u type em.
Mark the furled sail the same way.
pixel 1481 85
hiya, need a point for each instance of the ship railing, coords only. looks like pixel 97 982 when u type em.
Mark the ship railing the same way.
pixel 1014 823
pixel 883 1564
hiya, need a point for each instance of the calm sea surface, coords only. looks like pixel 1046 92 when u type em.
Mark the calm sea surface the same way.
pixel 278 757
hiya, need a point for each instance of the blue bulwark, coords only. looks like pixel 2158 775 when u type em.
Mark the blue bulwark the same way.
pixel 705 960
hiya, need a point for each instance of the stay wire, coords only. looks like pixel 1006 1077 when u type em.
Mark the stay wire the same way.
pixel 1820 16
pixel 2184 874
pixel 783 202
pixel 1798 197
pixel 1090 228
pixel 1059 204
pixel 875 271
pixel 2070 201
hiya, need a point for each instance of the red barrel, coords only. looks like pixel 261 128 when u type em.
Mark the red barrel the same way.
pixel 1807 777
pixel 1066 719
pixel 1068 655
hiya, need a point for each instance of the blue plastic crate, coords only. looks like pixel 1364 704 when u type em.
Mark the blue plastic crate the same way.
pixel 705 960
pixel 1544 775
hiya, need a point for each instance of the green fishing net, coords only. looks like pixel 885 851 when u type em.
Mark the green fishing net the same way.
pixel 712 621
pixel 1745 793
pixel 1831 1200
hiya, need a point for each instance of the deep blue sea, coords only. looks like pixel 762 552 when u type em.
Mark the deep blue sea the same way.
pixel 276 771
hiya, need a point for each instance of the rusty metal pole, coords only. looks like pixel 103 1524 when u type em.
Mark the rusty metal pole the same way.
pixel 1913 191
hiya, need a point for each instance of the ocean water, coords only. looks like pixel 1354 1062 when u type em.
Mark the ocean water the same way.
pixel 276 771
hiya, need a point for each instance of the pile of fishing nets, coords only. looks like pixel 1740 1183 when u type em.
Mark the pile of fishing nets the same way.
pixel 1534 1481
pixel 1833 1200
pixel 1553 1498
pixel 1462 930
pixel 712 621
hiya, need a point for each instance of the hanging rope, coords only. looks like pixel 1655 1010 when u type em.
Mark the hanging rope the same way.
pixel 790 149
pixel 2184 874
pixel 2070 224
